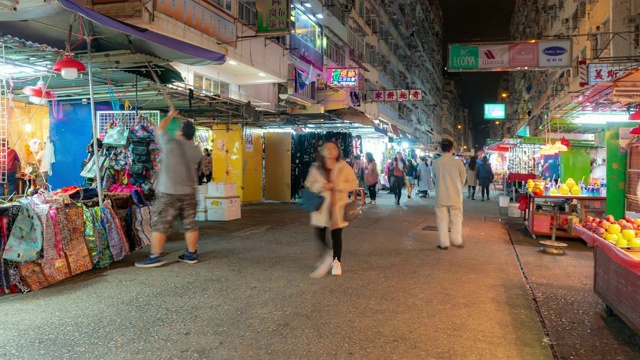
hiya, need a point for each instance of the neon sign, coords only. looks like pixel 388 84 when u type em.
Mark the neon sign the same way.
pixel 343 78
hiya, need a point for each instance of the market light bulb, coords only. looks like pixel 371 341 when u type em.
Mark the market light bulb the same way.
pixel 69 73
pixel 28 128
pixel 38 100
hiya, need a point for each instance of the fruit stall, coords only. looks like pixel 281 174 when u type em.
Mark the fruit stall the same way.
pixel 616 251
pixel 571 202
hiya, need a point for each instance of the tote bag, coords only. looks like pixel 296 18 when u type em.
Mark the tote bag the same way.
pixel 141 219
pixel 310 201
pixel 117 136
pixel 91 170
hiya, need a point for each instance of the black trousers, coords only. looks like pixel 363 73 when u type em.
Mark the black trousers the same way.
pixel 398 184
pixel 483 190
pixel 203 177
pixel 372 191
pixel 336 237
pixel 472 191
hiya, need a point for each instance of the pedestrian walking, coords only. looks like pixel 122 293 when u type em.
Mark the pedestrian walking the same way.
pixel 472 178
pixel 425 178
pixel 206 168
pixel 371 177
pixel 359 169
pixel 175 191
pixel 450 176
pixel 334 179
pixel 397 170
pixel 485 176
pixel 411 177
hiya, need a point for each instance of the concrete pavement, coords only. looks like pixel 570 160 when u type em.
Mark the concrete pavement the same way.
pixel 251 298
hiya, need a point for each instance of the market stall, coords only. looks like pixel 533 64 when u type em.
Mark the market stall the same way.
pixel 616 276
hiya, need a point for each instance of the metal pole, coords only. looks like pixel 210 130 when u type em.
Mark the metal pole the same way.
pixel 94 122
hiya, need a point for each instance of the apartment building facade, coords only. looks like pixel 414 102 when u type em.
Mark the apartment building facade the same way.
pixel 393 44
pixel 605 38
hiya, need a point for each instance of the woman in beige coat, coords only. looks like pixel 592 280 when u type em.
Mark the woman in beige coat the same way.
pixel 334 179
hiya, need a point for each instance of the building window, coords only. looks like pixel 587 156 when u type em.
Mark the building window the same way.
pixel 334 52
pixel 247 12
pixel 225 4
pixel 209 86
pixel 307 30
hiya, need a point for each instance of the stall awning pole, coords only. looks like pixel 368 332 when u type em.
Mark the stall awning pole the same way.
pixel 94 123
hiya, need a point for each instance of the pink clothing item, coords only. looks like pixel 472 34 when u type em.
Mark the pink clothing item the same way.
pixel 371 175
pixel 53 212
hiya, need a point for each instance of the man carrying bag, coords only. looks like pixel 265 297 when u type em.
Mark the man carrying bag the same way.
pixel 175 191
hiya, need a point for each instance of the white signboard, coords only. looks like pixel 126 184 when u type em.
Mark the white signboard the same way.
pixel 555 53
pixel 493 56
pixel 608 72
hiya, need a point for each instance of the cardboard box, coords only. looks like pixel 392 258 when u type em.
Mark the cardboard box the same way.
pixel 222 202
pixel 202 189
pixel 221 189
pixel 202 204
pixel 223 214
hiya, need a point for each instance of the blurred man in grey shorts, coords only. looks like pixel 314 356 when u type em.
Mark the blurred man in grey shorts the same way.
pixel 175 191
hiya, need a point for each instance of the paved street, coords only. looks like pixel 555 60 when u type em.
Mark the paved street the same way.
pixel 399 297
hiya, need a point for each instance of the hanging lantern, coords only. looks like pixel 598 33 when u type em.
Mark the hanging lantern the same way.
pixel 547 150
pixel 559 147
pixel 38 94
pixel 69 67
pixel 635 130
pixel 635 116
pixel 565 142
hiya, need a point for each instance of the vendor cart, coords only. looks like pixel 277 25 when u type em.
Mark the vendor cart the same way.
pixel 539 222
pixel 616 278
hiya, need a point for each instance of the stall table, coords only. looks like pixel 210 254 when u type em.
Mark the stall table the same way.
pixel 616 278
pixel 539 222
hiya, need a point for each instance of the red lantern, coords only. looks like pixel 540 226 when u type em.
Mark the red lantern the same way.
pixel 635 130
pixel 635 116
pixel 565 142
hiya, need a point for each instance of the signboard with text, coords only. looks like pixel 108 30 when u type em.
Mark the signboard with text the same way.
pixel 273 16
pixel 609 72
pixel 495 111
pixel 200 18
pixel 396 95
pixel 510 56
pixel 343 78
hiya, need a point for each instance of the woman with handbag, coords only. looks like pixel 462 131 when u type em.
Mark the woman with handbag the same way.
pixel 397 170
pixel 334 179
pixel 206 168
pixel 371 177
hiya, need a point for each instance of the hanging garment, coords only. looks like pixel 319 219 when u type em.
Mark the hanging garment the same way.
pixel 48 158
pixel 115 235
pixel 71 223
pixel 25 240
pixel 16 285
pixel 96 239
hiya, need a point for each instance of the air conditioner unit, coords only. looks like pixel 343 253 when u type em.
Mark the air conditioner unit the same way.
pixel 566 22
pixel 631 21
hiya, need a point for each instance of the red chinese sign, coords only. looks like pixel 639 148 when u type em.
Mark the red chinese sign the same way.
pixel 396 95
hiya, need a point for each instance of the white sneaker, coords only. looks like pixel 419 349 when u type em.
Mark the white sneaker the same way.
pixel 336 269
pixel 373 202
pixel 323 266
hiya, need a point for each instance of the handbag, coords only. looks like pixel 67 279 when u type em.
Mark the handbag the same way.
pixel 352 211
pixel 141 219
pixel 310 201
pixel 117 136
pixel 91 170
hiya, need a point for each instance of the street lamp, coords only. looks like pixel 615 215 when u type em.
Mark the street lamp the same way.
pixel 505 95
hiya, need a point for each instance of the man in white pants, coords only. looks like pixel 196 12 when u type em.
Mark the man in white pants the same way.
pixel 450 176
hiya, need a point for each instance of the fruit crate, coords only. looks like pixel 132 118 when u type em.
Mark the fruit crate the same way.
pixel 617 287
